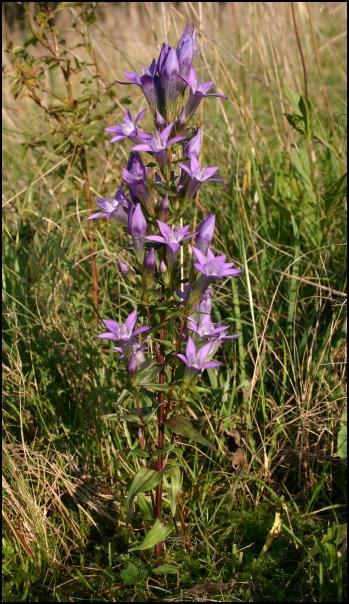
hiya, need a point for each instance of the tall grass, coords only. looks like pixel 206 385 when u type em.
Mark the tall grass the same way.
pixel 264 513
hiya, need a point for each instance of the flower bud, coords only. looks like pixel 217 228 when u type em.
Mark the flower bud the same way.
pixel 123 267
pixel 205 234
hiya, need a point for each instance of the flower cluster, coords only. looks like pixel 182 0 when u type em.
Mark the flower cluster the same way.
pixel 162 175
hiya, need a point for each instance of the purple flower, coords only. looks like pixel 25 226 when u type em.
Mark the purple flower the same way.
pixel 204 328
pixel 157 145
pixel 123 267
pixel 185 54
pixel 128 128
pixel 213 266
pixel 137 226
pixel 172 238
pixel 197 175
pixel 185 293
pixel 136 357
pixel 197 360
pixel 132 351
pixel 123 332
pixel 168 68
pixel 150 261
pixel 192 148
pixel 198 91
pixel 205 234
pixel 135 176
pixel 148 82
pixel 164 205
pixel 113 207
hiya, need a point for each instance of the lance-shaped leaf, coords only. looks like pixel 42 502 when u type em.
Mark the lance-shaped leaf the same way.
pixel 173 484
pixel 158 533
pixel 165 569
pixel 144 480
pixel 182 426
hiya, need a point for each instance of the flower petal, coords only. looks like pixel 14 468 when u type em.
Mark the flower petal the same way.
pixel 183 358
pixel 131 321
pixel 114 326
pixel 190 350
pixel 139 330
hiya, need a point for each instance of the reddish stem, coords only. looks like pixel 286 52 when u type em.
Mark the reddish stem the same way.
pixel 160 442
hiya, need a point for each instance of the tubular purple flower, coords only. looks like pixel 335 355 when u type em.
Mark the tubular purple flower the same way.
pixel 185 54
pixel 123 267
pixel 169 75
pixel 150 261
pixel 197 360
pixel 172 238
pixel 205 234
pixel 192 148
pixel 113 207
pixel 205 329
pixel 123 332
pixel 148 82
pixel 197 175
pixel 128 129
pixel 198 91
pixel 135 176
pixel 157 145
pixel 212 268
pixel 136 357
pixel 137 226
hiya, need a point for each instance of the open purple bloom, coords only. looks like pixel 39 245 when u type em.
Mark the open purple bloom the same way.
pixel 135 176
pixel 147 80
pixel 185 54
pixel 205 233
pixel 128 128
pixel 198 91
pixel 113 207
pixel 213 266
pixel 157 145
pixel 198 359
pixel 172 238
pixel 204 328
pixel 123 332
pixel 197 175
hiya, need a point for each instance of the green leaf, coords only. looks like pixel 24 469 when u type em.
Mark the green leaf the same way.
pixel 131 575
pixel 292 97
pixel 342 437
pixel 165 569
pixel 145 507
pixel 306 110
pixel 158 533
pixel 144 480
pixel 173 484
pixel 182 426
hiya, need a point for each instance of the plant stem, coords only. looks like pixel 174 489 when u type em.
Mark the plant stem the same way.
pixel 85 174
pixel 160 438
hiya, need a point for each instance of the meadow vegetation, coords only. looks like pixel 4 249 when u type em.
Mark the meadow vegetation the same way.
pixel 265 510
